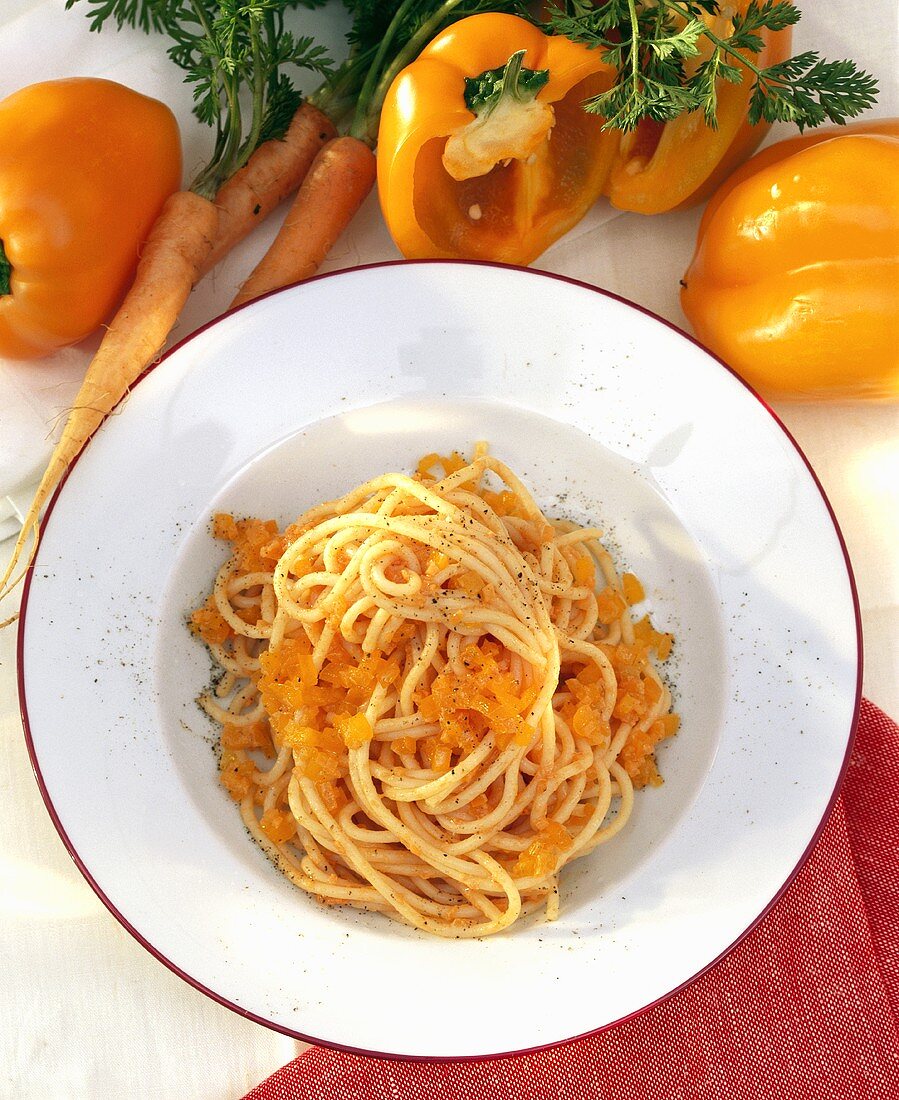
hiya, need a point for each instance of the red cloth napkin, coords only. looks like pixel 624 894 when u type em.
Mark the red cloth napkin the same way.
pixel 806 1006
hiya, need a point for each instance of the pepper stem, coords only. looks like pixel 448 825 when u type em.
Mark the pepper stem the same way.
pixel 5 273
pixel 511 75
pixel 508 83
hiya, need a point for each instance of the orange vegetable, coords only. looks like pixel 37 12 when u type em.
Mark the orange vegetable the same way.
pixel 254 736
pixel 187 231
pixel 542 854
pixel 633 589
pixel 664 166
pixel 335 186
pixel 278 825
pixel 355 730
pixel 236 774
pixel 85 167
pixel 257 545
pixel 209 625
pixel 168 269
pixel 273 172
pixel 795 278
pixel 611 605
pixel 638 755
pixel 585 571
pixel 484 150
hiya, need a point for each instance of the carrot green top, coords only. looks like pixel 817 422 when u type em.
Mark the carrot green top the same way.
pixel 233 54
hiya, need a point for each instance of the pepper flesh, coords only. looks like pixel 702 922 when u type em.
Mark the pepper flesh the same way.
pixel 795 278
pixel 511 125
pixel 668 166
pixel 85 167
pixel 515 210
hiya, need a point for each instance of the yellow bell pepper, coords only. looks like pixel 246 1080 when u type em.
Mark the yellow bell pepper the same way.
pixel 85 167
pixel 484 149
pixel 795 278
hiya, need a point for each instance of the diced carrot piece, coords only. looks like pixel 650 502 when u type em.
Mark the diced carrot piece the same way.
pixel 428 707
pixel 652 690
pixel 208 624
pixel 273 550
pixel 637 757
pixel 468 582
pixel 523 734
pixel 278 825
pixel 610 604
pixel 437 755
pixel 254 736
pixel 319 765
pixel 403 746
pixel 236 775
pixel 452 463
pixel 670 724
pixel 337 611
pixel 256 544
pixel 224 526
pixel 542 854
pixel 426 465
pixel 333 796
pixel 556 835
pixel 630 656
pixel 585 572
pixel 355 730
pixel 633 589
pixel 589 724
pixel 628 707
pixel 590 674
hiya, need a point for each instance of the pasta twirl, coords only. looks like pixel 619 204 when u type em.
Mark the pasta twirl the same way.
pixel 432 696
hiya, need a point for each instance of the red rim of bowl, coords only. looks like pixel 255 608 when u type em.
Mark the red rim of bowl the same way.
pixel 157 954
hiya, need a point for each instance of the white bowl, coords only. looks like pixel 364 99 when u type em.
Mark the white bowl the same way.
pixel 609 415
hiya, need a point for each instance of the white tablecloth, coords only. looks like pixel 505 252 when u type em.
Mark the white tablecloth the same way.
pixel 84 1010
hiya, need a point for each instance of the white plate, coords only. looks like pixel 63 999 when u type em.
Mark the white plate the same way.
pixel 608 414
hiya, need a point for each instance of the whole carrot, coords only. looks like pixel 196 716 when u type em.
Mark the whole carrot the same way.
pixel 273 172
pixel 190 235
pixel 386 37
pixel 169 267
pixel 224 56
pixel 336 185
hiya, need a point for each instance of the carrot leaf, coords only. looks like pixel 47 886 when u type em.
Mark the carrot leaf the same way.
pixel 236 54
pixel 648 42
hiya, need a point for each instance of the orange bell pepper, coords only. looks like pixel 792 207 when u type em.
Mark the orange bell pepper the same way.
pixel 484 150
pixel 795 278
pixel 85 166
pixel 667 166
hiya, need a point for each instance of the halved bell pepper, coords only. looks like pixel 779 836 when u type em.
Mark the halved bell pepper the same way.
pixel 484 149
pixel 666 166
pixel 795 279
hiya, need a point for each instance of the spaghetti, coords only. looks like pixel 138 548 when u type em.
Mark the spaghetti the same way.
pixel 428 704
